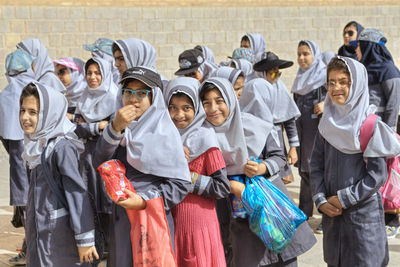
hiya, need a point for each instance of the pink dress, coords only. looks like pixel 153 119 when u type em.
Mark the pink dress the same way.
pixel 197 236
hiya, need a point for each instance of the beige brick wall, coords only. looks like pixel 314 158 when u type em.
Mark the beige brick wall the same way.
pixel 64 28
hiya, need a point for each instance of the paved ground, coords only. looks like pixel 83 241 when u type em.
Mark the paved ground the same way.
pixel 11 238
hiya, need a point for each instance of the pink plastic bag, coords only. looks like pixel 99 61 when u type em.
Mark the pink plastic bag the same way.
pixel 391 189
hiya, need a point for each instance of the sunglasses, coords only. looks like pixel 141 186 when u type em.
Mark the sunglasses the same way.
pixel 139 94
pixel 350 33
pixel 276 74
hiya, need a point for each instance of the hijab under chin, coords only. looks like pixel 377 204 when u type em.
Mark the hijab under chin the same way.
pixel 197 138
pixel 52 126
pixel 340 123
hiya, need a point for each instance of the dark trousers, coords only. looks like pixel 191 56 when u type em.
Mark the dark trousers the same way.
pixel 305 199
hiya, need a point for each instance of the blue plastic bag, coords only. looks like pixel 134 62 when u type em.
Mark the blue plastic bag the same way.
pixel 272 216
pixel 238 210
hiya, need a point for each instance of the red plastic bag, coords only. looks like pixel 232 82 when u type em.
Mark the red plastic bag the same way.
pixel 151 241
pixel 115 181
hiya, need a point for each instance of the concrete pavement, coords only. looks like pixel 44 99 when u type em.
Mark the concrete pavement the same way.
pixel 11 238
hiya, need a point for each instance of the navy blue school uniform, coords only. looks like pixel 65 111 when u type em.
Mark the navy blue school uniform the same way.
pixel 148 186
pixel 53 231
pixel 357 237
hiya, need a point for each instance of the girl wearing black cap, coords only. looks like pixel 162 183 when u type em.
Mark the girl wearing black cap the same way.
pixel 309 92
pixel 272 94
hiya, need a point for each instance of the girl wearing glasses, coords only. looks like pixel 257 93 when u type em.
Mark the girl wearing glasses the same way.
pixel 345 182
pixel 197 234
pixel 97 104
pixel 143 137
pixel 309 93
pixel 350 33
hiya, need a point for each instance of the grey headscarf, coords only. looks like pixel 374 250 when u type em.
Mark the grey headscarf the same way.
pixel 43 65
pixel 9 105
pixel 242 134
pixel 313 77
pixel 150 139
pixel 195 137
pixel 137 52
pixel 228 73
pixel 257 43
pixel 245 66
pixel 105 56
pixel 340 124
pixel 52 126
pixel 96 104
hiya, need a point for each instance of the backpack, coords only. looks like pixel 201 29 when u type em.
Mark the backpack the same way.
pixel 391 189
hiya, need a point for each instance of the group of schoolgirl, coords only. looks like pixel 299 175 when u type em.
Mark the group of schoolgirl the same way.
pixel 182 139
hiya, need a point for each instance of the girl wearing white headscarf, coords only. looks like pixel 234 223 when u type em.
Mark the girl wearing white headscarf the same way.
pixel 235 76
pixel 150 147
pixel 71 73
pixel 240 136
pixel 42 65
pixel 94 110
pixel 245 66
pixel 345 181
pixel 309 93
pixel 197 234
pixel 255 42
pixel 66 231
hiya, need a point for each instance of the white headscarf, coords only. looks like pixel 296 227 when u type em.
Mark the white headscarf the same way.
pixel 244 65
pixel 9 105
pixel 97 104
pixel 257 43
pixel 153 143
pixel 52 126
pixel 137 52
pixel 115 72
pixel 42 64
pixel 242 134
pixel 228 73
pixel 340 124
pixel 313 77
pixel 78 82
pixel 197 138
pixel 208 55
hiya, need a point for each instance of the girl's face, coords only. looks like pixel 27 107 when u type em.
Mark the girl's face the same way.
pixel 120 63
pixel 273 75
pixel 29 114
pixel 238 86
pixel 338 86
pixel 349 34
pixel 216 109
pixel 181 111
pixel 138 95
pixel 93 76
pixel 63 74
pixel 196 75
pixel 304 57
pixel 245 44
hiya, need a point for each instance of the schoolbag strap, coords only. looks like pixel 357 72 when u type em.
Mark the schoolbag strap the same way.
pixel 367 130
pixel 50 180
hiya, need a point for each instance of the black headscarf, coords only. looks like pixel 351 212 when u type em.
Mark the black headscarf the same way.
pixel 378 61
pixel 348 50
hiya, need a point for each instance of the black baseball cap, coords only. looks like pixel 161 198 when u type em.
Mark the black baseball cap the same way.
pixel 189 61
pixel 145 75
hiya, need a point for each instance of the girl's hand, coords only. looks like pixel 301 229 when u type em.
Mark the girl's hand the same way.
pixel 334 200
pixel 80 120
pixel 237 188
pixel 70 116
pixel 124 116
pixel 133 202
pixel 87 254
pixel 319 108
pixel 253 168
pixel 330 210
pixel 102 125
pixel 292 156
pixel 186 150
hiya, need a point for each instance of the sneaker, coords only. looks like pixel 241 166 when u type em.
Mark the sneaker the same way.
pixel 18 260
pixel 391 231
pixel 318 230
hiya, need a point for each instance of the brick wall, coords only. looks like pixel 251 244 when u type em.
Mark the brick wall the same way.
pixel 65 27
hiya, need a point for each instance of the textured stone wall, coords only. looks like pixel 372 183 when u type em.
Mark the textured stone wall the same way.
pixel 65 25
